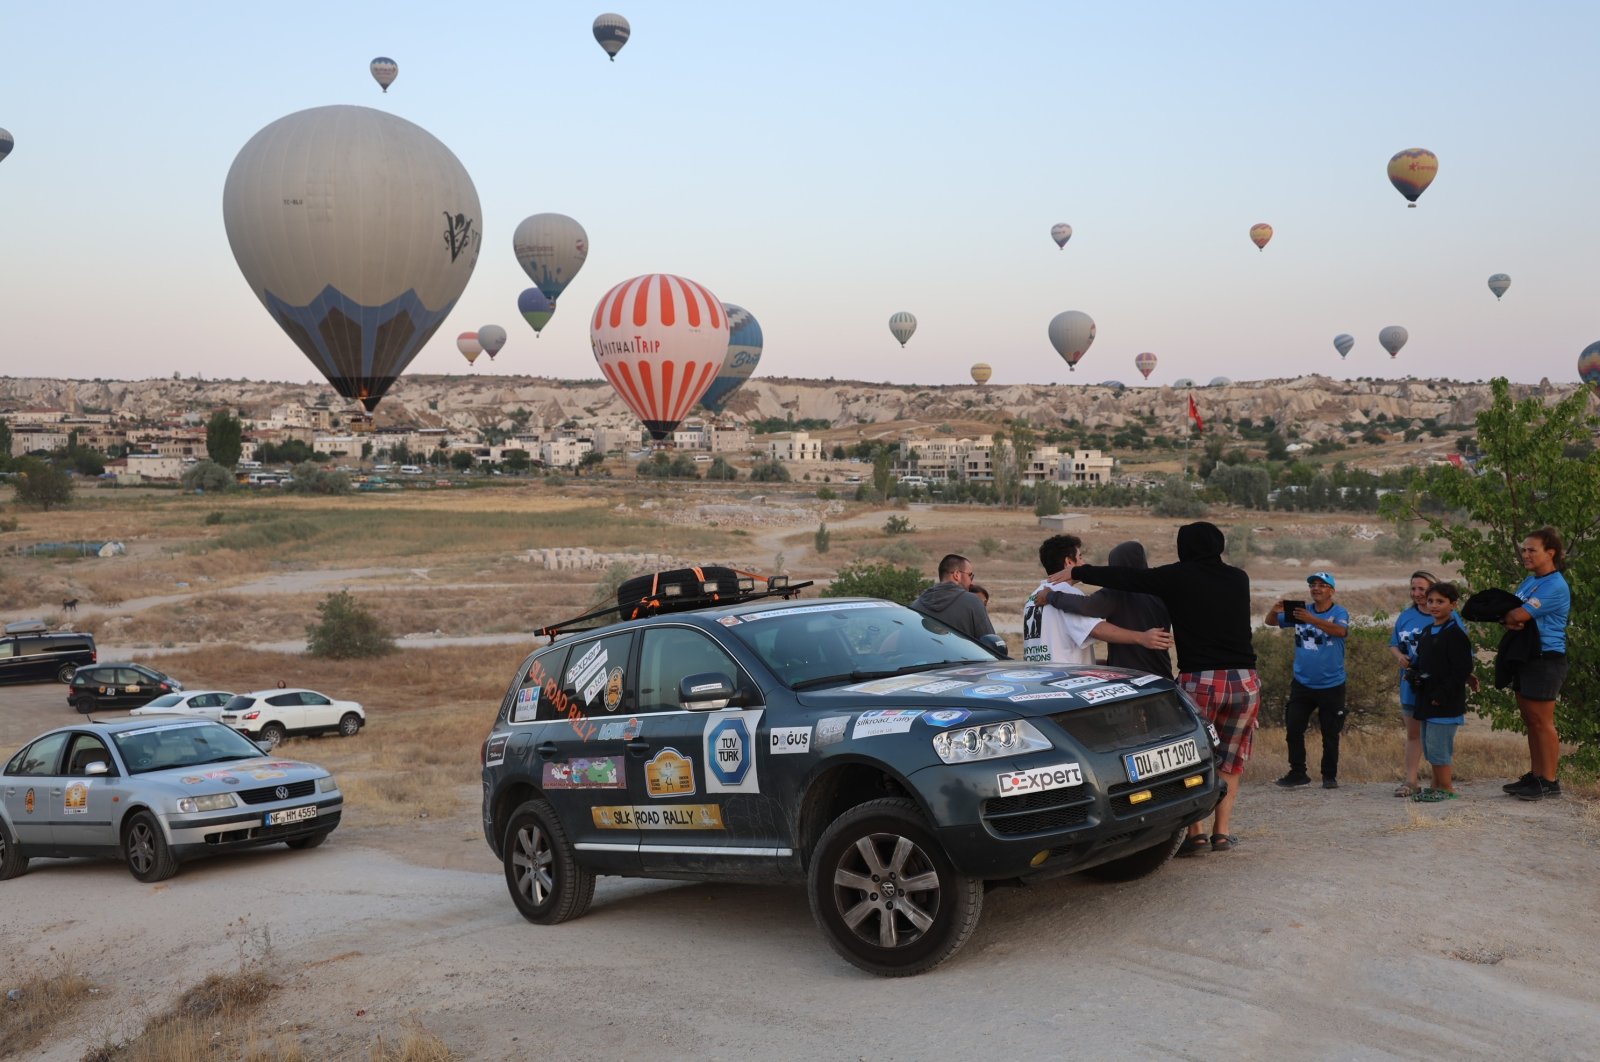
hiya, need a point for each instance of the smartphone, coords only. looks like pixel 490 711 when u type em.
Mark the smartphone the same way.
pixel 1289 608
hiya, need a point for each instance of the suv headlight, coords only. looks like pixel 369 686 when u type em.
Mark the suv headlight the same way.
pixel 214 802
pixel 327 785
pixel 989 741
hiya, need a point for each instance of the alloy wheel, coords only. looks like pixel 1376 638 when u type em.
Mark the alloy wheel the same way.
pixel 887 890
pixel 534 862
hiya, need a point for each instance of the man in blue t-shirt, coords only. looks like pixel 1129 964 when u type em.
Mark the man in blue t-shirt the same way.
pixel 1318 685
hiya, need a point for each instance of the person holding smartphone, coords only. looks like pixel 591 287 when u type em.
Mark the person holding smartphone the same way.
pixel 1318 683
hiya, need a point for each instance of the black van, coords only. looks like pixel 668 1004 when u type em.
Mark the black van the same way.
pixel 32 652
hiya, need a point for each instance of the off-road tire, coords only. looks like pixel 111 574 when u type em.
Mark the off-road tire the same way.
pixel 1140 864
pixel 542 871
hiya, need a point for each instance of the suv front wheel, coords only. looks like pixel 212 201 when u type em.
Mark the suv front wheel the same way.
pixel 542 872
pixel 885 894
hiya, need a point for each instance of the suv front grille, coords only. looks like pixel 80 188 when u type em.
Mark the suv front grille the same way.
pixel 268 794
pixel 1127 724
pixel 1054 809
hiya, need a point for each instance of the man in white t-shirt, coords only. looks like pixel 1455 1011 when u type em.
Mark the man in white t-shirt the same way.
pixel 1051 634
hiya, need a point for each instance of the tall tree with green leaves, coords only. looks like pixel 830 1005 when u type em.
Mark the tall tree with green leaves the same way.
pixel 41 484
pixel 5 443
pixel 224 438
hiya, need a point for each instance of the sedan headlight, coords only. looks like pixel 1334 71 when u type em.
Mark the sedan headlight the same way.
pixel 327 785
pixel 214 802
pixel 989 741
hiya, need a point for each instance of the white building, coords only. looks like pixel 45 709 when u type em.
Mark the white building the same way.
pixel 794 446
pixel 564 453
pixel 728 439
pixel 155 466
pixel 1084 466
pixel 25 439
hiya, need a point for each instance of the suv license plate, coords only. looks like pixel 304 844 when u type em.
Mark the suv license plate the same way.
pixel 1151 762
pixel 278 818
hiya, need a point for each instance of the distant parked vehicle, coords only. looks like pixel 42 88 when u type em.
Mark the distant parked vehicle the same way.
pixel 118 685
pixel 206 704
pixel 269 716
pixel 31 652
pixel 410 470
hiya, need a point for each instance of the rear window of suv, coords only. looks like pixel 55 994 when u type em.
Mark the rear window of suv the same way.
pixel 238 703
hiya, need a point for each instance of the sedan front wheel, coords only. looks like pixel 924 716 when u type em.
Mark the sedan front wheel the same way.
pixel 145 847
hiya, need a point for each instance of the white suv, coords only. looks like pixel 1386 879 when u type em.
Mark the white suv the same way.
pixel 269 716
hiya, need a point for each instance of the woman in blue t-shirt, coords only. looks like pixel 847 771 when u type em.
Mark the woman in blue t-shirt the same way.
pixel 1408 627
pixel 1546 600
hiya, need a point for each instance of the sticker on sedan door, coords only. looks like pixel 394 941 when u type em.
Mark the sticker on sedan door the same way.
pixel 76 799
pixel 1039 779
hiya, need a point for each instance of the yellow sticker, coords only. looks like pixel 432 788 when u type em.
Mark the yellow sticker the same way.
pixel 667 817
pixel 76 799
pixel 669 774
pixel 614 690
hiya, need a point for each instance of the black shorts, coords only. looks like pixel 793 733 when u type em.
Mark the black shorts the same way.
pixel 1540 679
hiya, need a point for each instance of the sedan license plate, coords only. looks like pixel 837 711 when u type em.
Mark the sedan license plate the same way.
pixel 1151 762
pixel 278 818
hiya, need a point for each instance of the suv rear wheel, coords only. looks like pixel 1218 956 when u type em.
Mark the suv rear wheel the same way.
pixel 542 872
pixel 1140 864
pixel 885 894
pixel 66 672
pixel 349 725
pixel 272 735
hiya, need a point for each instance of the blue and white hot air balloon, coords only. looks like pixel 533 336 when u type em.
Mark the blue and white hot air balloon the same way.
pixel 1500 283
pixel 902 325
pixel 744 353
pixel 550 248
pixel 7 142
pixel 384 71
pixel 1344 342
pixel 612 32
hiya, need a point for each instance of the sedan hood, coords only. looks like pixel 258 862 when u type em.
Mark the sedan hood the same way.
pixel 250 773
pixel 1023 689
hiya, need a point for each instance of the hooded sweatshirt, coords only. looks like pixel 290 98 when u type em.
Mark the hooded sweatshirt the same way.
pixel 1209 600
pixel 1133 612
pixel 956 607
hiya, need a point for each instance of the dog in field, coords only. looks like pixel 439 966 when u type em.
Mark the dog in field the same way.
pixel 70 606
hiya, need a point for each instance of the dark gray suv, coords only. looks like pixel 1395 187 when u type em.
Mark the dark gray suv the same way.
pixel 32 652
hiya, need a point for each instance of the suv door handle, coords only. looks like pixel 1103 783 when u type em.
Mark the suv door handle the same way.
pixel 638 748
pixel 547 749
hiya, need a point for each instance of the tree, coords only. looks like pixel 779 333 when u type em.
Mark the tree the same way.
pixel 823 538
pixel 41 484
pixel 5 443
pixel 1046 500
pixel 721 470
pixel 517 461
pixel 769 472
pixel 207 476
pixel 592 459
pixel 1277 448
pixel 1524 481
pixel 878 580
pixel 1243 485
pixel 224 438
pixel 1176 498
pixel 462 460
pixel 882 476
pixel 288 452
pixel 346 631
pixel 311 478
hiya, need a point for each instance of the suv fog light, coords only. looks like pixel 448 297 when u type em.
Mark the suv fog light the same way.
pixel 1194 780
pixel 1039 859
pixel 1140 797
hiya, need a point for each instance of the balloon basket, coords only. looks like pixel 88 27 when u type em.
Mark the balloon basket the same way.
pixel 361 423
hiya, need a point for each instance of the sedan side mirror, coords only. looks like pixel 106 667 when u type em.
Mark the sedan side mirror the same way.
pixel 996 645
pixel 95 767
pixel 706 692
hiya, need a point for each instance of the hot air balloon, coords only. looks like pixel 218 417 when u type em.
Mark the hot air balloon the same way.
pixel 1343 343
pixel 493 337
pixel 1071 333
pixel 7 142
pixel 1219 381
pixel 659 339
pixel 1499 284
pixel 612 31
pixel 1393 338
pixel 535 309
pixel 1145 363
pixel 1260 233
pixel 744 353
pixel 1589 366
pixel 384 71
pixel 550 248
pixel 902 325
pixel 981 373
pixel 1061 233
pixel 467 343
pixel 357 257
pixel 1411 171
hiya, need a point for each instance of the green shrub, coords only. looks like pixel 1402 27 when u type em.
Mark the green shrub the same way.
pixel 1175 498
pixel 346 631
pixel 822 539
pixel 769 472
pixel 988 545
pixel 896 551
pixel 878 580
pixel 826 494
pixel 214 517
pixel 898 525
pixel 1372 681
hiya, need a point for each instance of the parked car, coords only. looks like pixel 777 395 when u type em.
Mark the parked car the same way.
pixel 269 716
pixel 154 793
pixel 118 685
pixel 890 764
pixel 207 704
pixel 31 652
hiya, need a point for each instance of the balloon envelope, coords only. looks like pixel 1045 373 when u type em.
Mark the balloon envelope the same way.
pixel 7 142
pixel 1071 333
pixel 1393 338
pixel 1260 233
pixel 744 353
pixel 384 71
pixel 659 339
pixel 1145 363
pixel 467 343
pixel 902 325
pixel 1500 283
pixel 981 373
pixel 357 230
pixel 1343 343
pixel 535 309
pixel 1412 170
pixel 493 337
pixel 1589 366
pixel 612 32
pixel 1061 233
pixel 550 248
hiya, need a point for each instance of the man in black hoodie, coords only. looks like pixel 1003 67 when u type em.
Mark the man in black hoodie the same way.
pixel 1209 601
pixel 949 602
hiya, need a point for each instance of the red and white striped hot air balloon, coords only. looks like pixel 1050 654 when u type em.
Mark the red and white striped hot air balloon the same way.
pixel 660 340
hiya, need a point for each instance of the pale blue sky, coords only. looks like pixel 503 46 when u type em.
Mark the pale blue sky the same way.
pixel 828 164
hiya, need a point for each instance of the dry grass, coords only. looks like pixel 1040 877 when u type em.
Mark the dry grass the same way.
pixel 46 1000
pixel 418 1045
pixel 212 1020
pixel 1481 755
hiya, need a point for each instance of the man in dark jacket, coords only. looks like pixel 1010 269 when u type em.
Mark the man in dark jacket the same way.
pixel 949 602
pixel 1134 612
pixel 1209 601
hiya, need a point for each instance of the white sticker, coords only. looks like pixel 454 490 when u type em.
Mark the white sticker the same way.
pixel 1076 683
pixel 1145 680
pixel 1053 695
pixel 790 740
pixel 593 662
pixel 1107 693
pixel 941 687
pixel 75 801
pixel 1039 779
pixel 893 684
pixel 730 752
pixel 592 690
pixel 800 610
pixel 1022 676
pixel 885 721
pixel 495 753
pixel 831 730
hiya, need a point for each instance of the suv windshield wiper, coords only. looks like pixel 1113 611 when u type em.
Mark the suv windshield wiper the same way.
pixel 862 676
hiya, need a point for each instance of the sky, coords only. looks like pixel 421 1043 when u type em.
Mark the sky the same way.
pixel 828 164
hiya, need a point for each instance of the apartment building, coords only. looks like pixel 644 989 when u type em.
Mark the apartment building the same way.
pixel 793 446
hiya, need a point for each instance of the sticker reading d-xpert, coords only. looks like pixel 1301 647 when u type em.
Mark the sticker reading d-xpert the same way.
pixel 730 754
pixel 1039 779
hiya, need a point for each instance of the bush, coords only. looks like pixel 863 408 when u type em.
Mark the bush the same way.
pixel 311 478
pixel 1372 681
pixel 769 472
pixel 207 476
pixel 898 525
pixel 215 517
pixel 41 484
pixel 721 470
pixel 1176 498
pixel 1241 545
pixel 988 545
pixel 826 494
pixel 346 631
pixel 899 551
pixel 878 580
pixel 822 539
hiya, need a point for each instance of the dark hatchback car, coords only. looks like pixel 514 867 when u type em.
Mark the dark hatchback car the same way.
pixel 118 685
pixel 31 652
pixel 888 763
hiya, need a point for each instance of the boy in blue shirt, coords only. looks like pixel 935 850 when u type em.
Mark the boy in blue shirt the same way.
pixel 1318 685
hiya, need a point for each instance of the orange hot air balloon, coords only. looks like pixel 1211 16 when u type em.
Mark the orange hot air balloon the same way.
pixel 1411 171
pixel 1260 233
pixel 660 340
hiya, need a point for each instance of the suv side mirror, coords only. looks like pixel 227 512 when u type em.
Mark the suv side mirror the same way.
pixel 705 692
pixel 996 645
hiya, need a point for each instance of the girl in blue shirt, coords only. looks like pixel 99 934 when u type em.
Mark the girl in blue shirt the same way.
pixel 1546 600
pixel 1408 627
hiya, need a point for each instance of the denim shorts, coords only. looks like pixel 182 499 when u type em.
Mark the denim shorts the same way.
pixel 1438 742
pixel 1540 679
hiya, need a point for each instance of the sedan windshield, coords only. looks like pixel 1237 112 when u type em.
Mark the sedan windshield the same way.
pixel 169 745
pixel 811 645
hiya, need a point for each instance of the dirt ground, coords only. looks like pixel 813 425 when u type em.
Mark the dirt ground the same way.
pixel 1347 924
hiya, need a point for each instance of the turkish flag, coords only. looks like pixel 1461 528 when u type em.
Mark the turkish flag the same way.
pixel 1194 414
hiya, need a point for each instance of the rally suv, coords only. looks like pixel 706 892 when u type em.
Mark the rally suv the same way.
pixel 887 762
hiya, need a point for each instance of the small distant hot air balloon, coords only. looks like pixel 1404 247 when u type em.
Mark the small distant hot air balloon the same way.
pixel 1343 343
pixel 744 353
pixel 1411 171
pixel 467 343
pixel 7 142
pixel 1393 338
pixel 659 339
pixel 493 337
pixel 1145 363
pixel 612 31
pixel 1071 333
pixel 981 373
pixel 1260 233
pixel 1061 233
pixel 1589 366
pixel 1499 284
pixel 902 325
pixel 550 248
pixel 384 71
pixel 1219 381
pixel 535 308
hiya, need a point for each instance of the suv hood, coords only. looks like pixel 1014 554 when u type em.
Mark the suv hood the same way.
pixel 1026 690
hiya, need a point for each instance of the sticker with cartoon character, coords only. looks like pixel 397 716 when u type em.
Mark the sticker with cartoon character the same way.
pixel 597 772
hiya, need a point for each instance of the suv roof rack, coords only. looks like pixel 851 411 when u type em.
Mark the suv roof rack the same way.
pixel 776 586
pixel 32 626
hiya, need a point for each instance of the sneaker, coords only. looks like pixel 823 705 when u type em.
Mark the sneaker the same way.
pixel 1546 789
pixel 1520 783
pixel 1531 788
pixel 1330 783
pixel 1293 780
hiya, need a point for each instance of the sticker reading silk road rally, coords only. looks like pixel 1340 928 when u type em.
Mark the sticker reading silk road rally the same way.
pixel 663 817
pixel 1039 779
pixel 730 752
pixel 790 740
pixel 1107 693
pixel 494 754
pixel 885 721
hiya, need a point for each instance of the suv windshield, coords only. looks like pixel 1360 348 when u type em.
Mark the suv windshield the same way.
pixel 811 645
pixel 162 747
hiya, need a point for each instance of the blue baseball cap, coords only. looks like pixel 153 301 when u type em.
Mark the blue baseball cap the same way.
pixel 1326 577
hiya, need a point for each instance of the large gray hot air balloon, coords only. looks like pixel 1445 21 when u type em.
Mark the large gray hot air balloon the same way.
pixel 492 338
pixel 384 71
pixel 357 230
pixel 1061 232
pixel 902 325
pixel 1500 283
pixel 612 32
pixel 1393 338
pixel 1071 333
pixel 550 248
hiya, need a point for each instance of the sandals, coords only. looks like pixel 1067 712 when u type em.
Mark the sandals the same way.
pixel 1405 789
pixel 1434 796
pixel 1194 845
pixel 1222 842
